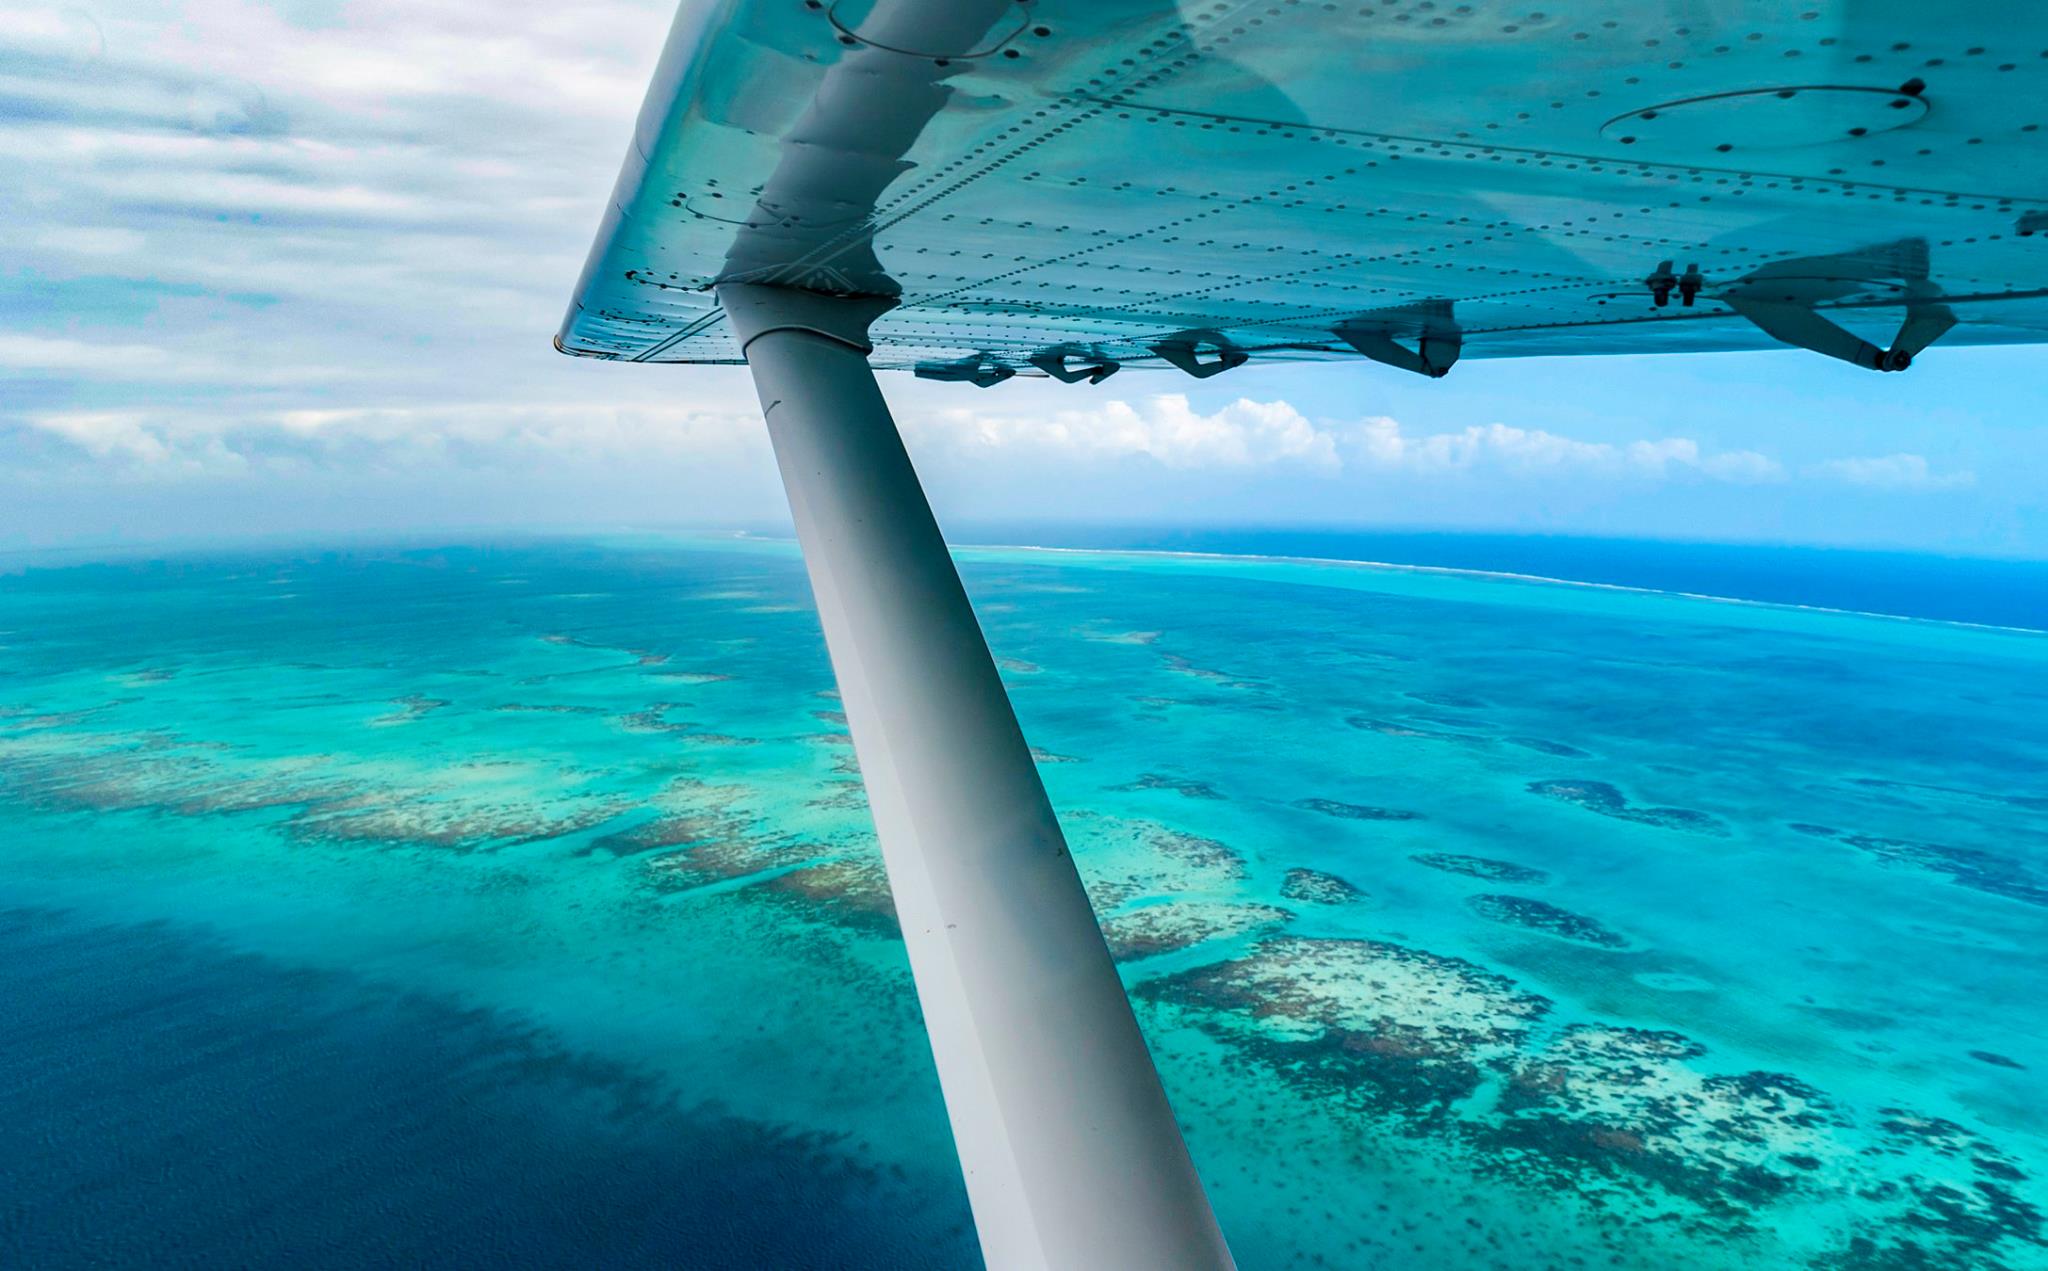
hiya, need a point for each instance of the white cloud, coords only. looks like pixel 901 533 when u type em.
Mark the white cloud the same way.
pixel 107 434
pixel 1892 472
pixel 90 240
pixel 1165 429
pixel 1745 466
pixel 153 364
pixel 1380 442
pixel 720 429
pixel 42 353
pixel 279 238
pixel 174 445
pixel 1249 434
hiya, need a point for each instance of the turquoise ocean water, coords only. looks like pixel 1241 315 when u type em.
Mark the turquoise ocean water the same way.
pixel 516 906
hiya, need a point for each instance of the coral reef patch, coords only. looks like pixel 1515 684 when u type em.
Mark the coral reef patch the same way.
pixel 1312 886
pixel 1606 800
pixel 1481 867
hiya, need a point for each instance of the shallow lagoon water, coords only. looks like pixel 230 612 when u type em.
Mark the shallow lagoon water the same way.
pixel 516 905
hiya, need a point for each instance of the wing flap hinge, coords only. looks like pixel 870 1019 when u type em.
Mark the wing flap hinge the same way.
pixel 1783 300
pixel 983 370
pixel 1438 340
pixel 1800 325
pixel 1092 367
pixel 1184 351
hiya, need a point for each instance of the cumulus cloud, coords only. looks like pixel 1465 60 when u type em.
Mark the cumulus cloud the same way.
pixel 1747 466
pixel 1382 442
pixel 172 447
pixel 1168 431
pixel 1892 472
pixel 1165 429
pixel 721 428
pixel 260 239
pixel 1527 451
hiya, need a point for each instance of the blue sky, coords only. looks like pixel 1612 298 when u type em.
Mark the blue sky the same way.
pixel 292 270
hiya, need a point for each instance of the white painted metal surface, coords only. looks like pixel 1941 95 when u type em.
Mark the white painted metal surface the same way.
pixel 1064 187
pixel 1109 178
pixel 1071 1154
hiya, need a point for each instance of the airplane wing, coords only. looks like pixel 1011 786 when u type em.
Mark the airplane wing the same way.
pixel 978 189
pixel 1068 187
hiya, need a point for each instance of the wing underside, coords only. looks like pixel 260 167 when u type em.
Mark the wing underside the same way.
pixel 1060 186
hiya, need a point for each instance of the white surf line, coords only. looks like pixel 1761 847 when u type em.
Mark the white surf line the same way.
pixel 1493 574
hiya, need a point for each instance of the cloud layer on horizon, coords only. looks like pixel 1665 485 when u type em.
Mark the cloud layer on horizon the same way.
pixel 1164 431
pixel 298 247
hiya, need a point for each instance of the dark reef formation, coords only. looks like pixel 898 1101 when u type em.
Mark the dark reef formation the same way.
pixel 654 719
pixel 1356 811
pixel 1544 917
pixel 466 807
pixel 676 829
pixel 1181 666
pixel 1635 1108
pixel 842 795
pixel 1378 1027
pixel 1311 886
pixel 1954 1201
pixel 1148 930
pixel 1186 788
pixel 1127 860
pixel 1484 867
pixel 2030 802
pixel 1972 867
pixel 1598 796
pixel 1193 852
pixel 1627 1125
pixel 410 707
pixel 1397 728
pixel 1544 746
pixel 1455 701
pixel 690 677
pixel 850 891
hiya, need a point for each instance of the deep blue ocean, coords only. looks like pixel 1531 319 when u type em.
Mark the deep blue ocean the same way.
pixel 514 904
pixel 1994 591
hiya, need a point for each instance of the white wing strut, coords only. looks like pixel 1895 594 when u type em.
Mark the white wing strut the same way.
pixel 1071 1154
